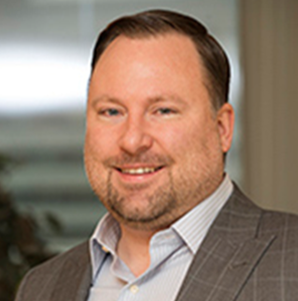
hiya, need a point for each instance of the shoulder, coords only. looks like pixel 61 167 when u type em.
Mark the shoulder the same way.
pixel 280 225
pixel 241 215
pixel 284 226
pixel 41 281
pixel 77 255
pixel 269 220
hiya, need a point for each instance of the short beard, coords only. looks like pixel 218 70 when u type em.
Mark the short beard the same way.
pixel 157 215
pixel 162 205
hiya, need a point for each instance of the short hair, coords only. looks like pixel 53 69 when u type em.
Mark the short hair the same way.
pixel 160 22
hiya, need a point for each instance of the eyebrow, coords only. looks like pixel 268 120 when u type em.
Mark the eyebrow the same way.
pixel 151 100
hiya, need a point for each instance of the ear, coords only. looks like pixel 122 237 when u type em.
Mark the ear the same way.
pixel 225 123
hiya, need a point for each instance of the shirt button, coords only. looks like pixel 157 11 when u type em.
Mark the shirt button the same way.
pixel 134 289
pixel 105 249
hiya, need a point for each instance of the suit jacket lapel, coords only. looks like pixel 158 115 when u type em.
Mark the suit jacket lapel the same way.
pixel 228 254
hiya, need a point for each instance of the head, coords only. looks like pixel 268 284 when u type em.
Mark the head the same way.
pixel 160 22
pixel 158 124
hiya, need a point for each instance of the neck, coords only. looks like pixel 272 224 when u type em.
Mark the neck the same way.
pixel 133 249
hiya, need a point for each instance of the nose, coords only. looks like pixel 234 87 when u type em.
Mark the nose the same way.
pixel 135 138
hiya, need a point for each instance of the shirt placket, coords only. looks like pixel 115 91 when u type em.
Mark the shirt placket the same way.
pixel 163 246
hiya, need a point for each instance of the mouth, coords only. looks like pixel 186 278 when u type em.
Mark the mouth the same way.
pixel 138 170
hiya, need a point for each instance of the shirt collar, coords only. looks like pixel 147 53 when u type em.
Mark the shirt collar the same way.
pixel 107 233
pixel 194 225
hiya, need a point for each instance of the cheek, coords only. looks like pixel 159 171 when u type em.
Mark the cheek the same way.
pixel 98 143
pixel 94 155
pixel 195 144
pixel 91 146
pixel 183 140
pixel 172 141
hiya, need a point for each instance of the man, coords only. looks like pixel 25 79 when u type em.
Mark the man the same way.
pixel 158 129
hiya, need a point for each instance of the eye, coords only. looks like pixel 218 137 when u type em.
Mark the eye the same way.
pixel 165 111
pixel 109 112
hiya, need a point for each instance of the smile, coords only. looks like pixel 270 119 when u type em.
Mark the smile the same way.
pixel 139 170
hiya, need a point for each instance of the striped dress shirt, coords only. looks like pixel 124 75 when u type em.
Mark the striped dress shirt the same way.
pixel 172 251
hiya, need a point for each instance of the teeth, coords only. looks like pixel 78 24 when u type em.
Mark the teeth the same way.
pixel 138 171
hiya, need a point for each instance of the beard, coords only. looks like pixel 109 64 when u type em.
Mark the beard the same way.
pixel 139 206
pixel 142 210
pixel 153 207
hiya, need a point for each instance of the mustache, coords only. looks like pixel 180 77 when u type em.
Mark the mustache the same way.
pixel 127 159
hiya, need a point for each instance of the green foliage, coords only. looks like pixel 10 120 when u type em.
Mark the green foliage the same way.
pixel 20 246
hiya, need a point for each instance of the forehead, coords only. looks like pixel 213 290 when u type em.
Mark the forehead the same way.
pixel 160 64
pixel 165 48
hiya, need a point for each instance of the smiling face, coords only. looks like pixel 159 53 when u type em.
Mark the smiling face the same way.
pixel 154 146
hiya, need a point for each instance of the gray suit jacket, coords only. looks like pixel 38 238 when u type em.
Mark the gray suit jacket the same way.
pixel 249 254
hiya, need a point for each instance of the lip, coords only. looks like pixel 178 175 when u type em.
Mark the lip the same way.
pixel 138 173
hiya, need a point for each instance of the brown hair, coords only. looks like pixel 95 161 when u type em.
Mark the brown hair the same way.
pixel 158 22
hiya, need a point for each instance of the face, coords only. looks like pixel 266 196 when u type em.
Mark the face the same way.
pixel 154 146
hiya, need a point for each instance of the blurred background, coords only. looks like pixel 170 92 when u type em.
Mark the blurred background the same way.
pixel 45 50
